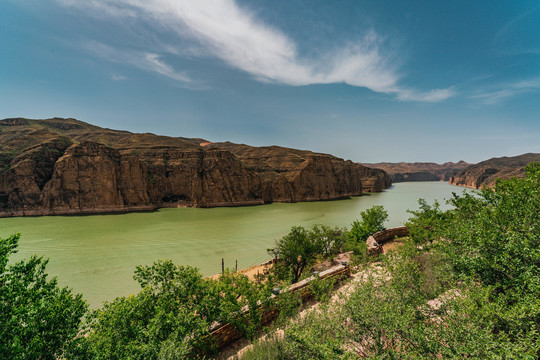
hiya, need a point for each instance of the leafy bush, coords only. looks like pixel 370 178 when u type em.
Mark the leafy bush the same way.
pixel 495 236
pixel 318 335
pixel 171 316
pixel 322 289
pixel 372 221
pixel 328 240
pixel 472 293
pixel 426 223
pixel 295 251
pixel 38 319
pixel 289 305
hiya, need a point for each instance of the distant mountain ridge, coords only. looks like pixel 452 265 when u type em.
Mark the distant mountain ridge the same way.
pixel 66 166
pixel 486 172
pixel 420 171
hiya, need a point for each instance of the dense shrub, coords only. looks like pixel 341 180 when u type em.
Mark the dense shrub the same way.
pixel 426 223
pixel 295 251
pixel 38 319
pixel 372 221
pixel 470 291
pixel 172 314
pixel 328 240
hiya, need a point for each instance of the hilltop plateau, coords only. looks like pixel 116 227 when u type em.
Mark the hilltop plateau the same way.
pixel 66 166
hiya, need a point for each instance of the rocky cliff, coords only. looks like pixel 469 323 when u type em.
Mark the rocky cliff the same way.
pixel 65 166
pixel 486 172
pixel 300 175
pixel 401 172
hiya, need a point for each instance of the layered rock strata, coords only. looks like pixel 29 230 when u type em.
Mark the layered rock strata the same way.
pixel 65 166
pixel 485 173
pixel 419 171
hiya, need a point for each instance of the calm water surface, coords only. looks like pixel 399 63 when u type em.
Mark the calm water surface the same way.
pixel 97 254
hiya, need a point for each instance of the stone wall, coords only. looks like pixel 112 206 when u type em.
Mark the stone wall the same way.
pixel 375 241
pixel 225 334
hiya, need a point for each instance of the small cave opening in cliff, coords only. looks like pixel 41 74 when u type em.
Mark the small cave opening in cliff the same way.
pixel 4 198
pixel 171 198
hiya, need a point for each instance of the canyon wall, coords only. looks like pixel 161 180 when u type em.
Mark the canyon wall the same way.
pixel 485 173
pixel 420 171
pixel 65 166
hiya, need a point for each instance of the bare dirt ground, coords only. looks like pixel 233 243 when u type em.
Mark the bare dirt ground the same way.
pixel 251 272
pixel 392 245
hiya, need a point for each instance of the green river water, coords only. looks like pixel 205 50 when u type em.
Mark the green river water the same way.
pixel 97 254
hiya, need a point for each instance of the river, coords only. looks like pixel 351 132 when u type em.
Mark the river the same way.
pixel 97 254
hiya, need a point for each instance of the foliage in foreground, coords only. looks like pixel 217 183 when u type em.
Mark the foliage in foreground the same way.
pixel 171 316
pixel 372 221
pixel 301 248
pixel 38 319
pixel 471 290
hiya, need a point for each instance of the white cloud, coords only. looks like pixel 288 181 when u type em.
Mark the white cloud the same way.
pixel 117 77
pixel 503 92
pixel 238 37
pixel 519 35
pixel 429 96
pixel 139 59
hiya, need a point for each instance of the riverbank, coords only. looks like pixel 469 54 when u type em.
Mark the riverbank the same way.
pixel 96 255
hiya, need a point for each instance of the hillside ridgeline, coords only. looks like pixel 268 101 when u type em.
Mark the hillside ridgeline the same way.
pixel 66 166
pixel 420 171
pixel 486 172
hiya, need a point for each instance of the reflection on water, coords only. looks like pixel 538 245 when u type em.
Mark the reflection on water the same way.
pixel 96 255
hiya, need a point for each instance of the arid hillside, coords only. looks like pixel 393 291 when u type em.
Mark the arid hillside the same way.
pixel 420 171
pixel 66 166
pixel 486 172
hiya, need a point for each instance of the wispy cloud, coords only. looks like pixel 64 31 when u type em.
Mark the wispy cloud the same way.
pixel 117 77
pixel 140 59
pixel 519 35
pixel 503 92
pixel 235 35
pixel 429 96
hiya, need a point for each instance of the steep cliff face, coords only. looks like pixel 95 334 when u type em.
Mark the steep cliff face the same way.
pixel 319 178
pixel 202 177
pixel 485 173
pixel 64 166
pixel 401 172
pixel 92 176
pixel 300 175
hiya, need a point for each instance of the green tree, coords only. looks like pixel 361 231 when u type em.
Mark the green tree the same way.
pixel 168 316
pixel 426 223
pixel 171 316
pixel 372 221
pixel 471 292
pixel 38 319
pixel 295 251
pixel 495 235
pixel 328 239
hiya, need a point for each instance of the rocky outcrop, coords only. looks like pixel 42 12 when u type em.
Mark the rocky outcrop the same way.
pixel 290 175
pixel 402 172
pixel 374 180
pixel 485 173
pixel 64 166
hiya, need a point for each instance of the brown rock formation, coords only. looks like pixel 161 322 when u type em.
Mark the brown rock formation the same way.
pixel 485 173
pixel 402 172
pixel 300 175
pixel 65 166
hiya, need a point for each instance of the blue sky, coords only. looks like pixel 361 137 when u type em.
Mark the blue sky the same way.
pixel 361 79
